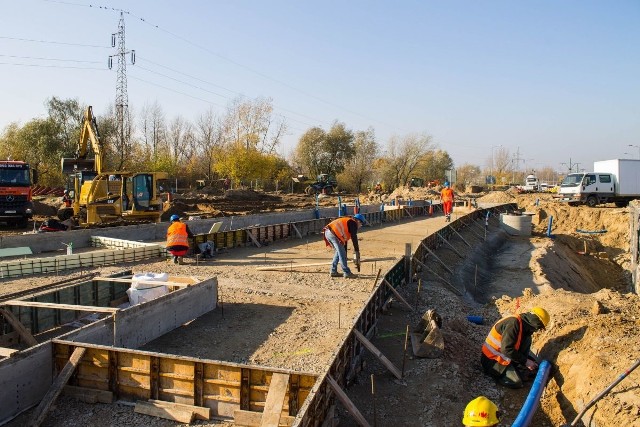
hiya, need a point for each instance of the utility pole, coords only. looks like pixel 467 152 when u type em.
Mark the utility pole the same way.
pixel 122 98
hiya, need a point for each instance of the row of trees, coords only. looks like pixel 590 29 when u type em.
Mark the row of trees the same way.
pixel 241 144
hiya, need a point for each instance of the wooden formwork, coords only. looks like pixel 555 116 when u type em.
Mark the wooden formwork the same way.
pixel 228 389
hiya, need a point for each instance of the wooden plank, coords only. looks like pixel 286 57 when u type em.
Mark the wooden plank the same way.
pixel 88 395
pixel 55 306
pixel 15 323
pixel 253 238
pixel 296 230
pixel 449 244
pixel 372 348
pixel 342 396
pixel 253 419
pixel 395 292
pixel 172 413
pixel 41 411
pixel 145 282
pixel 436 257
pixel 201 413
pixel 275 400
pixel 6 352
pixel 453 288
pixel 315 264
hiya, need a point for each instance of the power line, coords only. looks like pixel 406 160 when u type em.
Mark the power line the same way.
pixel 52 42
pixel 51 66
pixel 238 64
pixel 49 59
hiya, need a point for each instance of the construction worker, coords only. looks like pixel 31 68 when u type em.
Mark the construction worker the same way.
pixel 506 354
pixel 66 199
pixel 337 234
pixel 446 195
pixel 378 188
pixel 178 236
pixel 481 412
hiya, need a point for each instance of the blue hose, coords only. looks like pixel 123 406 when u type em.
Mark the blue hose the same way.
pixel 533 399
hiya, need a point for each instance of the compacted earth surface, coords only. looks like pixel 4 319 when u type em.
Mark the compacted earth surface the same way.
pixel 296 318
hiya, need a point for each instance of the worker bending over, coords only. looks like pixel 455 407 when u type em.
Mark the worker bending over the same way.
pixel 178 236
pixel 481 412
pixel 446 195
pixel 337 234
pixel 506 354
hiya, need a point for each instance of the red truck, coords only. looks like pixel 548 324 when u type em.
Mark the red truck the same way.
pixel 16 206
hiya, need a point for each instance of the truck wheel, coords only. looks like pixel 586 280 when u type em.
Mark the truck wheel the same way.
pixel 308 190
pixel 592 201
pixel 327 190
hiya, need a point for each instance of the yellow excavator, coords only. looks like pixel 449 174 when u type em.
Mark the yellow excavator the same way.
pixel 96 197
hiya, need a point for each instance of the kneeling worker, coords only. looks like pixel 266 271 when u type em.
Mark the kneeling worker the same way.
pixel 506 351
pixel 178 236
pixel 481 412
pixel 337 234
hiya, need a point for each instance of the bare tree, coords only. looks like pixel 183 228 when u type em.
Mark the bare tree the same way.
pixel 358 169
pixel 209 137
pixel 153 129
pixel 403 156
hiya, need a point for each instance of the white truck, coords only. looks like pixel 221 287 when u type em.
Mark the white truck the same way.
pixel 613 181
pixel 531 184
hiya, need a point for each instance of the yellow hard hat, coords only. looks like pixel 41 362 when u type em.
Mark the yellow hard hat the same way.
pixel 480 412
pixel 542 314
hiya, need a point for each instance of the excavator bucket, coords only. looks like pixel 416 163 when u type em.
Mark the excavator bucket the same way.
pixel 426 338
pixel 73 165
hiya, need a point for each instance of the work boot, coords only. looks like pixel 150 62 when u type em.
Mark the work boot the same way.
pixel 180 260
pixel 335 274
pixel 350 276
pixel 175 259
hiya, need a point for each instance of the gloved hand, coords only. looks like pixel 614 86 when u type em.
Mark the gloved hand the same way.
pixel 531 365
pixel 356 260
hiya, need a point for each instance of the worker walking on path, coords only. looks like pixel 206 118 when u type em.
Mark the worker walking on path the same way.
pixel 337 234
pixel 446 195
pixel 506 352
pixel 178 236
pixel 481 412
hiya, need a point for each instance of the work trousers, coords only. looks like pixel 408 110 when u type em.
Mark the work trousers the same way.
pixel 340 253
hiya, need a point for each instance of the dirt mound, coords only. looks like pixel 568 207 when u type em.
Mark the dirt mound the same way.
pixel 497 197
pixel 415 193
pixel 592 340
pixel 248 195
pixel 45 207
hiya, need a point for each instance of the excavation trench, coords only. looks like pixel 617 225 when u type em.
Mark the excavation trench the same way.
pixel 500 275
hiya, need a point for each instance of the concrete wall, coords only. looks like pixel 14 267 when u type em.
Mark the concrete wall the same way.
pixel 47 242
pixel 26 376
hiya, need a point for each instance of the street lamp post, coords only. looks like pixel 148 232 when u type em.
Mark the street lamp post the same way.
pixel 636 146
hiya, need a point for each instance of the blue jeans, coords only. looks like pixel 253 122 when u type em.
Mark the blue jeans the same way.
pixel 340 253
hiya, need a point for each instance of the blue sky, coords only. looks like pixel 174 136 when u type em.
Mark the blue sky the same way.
pixel 555 81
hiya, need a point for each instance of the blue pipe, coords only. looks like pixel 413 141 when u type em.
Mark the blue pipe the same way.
pixel 549 226
pixel 533 399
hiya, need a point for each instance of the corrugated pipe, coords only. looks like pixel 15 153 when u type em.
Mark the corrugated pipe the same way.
pixel 533 399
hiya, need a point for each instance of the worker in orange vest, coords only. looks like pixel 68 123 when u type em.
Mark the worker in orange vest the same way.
pixel 178 236
pixel 446 195
pixel 506 354
pixel 336 235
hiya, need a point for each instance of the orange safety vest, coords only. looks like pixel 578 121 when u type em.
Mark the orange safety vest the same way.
pixel 340 229
pixel 177 235
pixel 447 195
pixel 492 346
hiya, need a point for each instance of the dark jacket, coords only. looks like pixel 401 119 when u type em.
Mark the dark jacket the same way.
pixel 510 328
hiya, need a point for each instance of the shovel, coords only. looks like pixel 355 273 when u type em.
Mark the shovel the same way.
pixel 426 338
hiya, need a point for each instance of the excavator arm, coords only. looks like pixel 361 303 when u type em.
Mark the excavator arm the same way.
pixel 88 135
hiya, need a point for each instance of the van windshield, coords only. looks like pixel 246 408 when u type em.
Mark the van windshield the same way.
pixel 572 180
